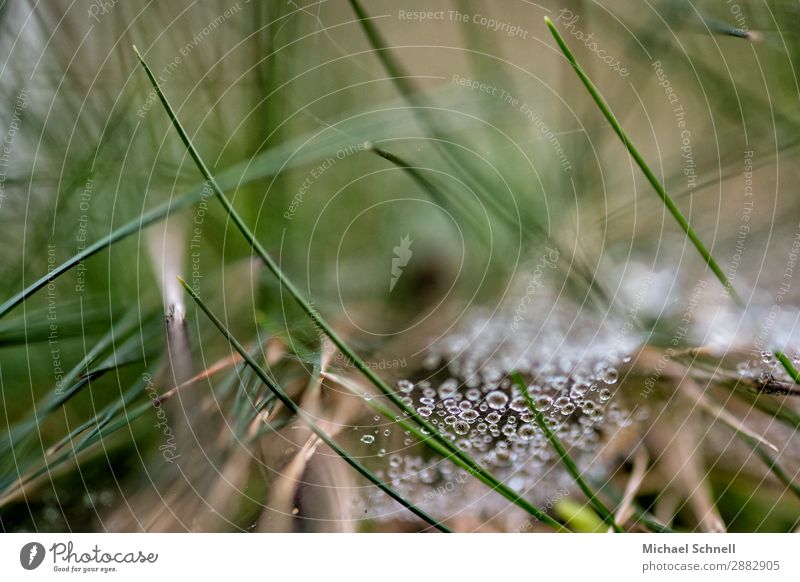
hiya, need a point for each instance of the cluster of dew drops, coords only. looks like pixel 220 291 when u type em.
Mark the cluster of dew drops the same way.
pixel 491 421
pixel 465 392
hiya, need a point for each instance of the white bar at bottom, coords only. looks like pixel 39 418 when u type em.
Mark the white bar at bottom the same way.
pixel 388 557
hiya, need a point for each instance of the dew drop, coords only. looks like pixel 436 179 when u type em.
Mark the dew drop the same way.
pixel 543 402
pixel 461 427
pixel 497 399
pixel 405 386
pixel 527 432
pixel 470 415
pixel 610 375
pixel 519 404
pixel 473 394
pixel 561 402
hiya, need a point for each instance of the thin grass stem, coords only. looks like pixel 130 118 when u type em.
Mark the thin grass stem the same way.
pixel 306 418
pixel 657 186
pixel 317 319
pixel 572 468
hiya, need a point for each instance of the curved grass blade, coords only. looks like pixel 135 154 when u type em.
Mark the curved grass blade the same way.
pixel 20 441
pixel 100 422
pixel 436 194
pixel 314 315
pixel 132 227
pixel 651 177
pixel 300 413
pixel 657 186
pixel 530 228
pixel 572 468
pixel 771 464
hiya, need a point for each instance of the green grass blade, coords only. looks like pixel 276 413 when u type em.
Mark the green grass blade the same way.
pixel 657 186
pixel 317 319
pixel 445 201
pixel 306 418
pixel 529 227
pixel 572 468
pixel 651 177
pixel 771 463
pixel 132 227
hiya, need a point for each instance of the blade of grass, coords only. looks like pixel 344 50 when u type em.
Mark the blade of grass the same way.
pixel 479 183
pixel 572 468
pixel 579 516
pixel 651 177
pixel 300 413
pixel 766 403
pixel 452 205
pixel 99 427
pixel 317 319
pixel 657 186
pixel 771 464
pixel 118 234
pixel 401 80
pixel 641 516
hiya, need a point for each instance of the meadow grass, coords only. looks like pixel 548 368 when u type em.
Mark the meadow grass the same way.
pixel 116 352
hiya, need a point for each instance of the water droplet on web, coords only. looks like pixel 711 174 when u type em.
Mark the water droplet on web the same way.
pixel 610 376
pixel 604 395
pixel 367 439
pixel 497 399
pixel 424 411
pixel 519 404
pixel 527 432
pixel 561 402
pixel 405 386
pixel 493 418
pixel 469 415
pixel 461 427
pixel 543 402
pixel 473 394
